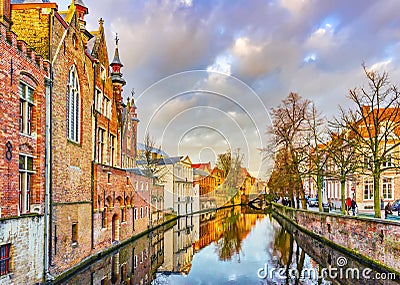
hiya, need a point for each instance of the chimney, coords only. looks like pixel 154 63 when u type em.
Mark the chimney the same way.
pixel 5 13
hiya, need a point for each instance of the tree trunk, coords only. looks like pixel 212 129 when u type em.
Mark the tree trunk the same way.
pixel 343 195
pixel 319 188
pixel 377 202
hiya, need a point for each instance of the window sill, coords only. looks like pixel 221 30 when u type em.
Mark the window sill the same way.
pixel 74 142
pixel 31 136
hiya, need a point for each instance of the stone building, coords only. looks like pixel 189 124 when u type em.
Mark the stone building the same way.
pixel 24 82
pixel 179 193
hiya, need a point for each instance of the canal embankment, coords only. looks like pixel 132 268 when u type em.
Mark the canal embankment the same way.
pixel 168 222
pixel 373 240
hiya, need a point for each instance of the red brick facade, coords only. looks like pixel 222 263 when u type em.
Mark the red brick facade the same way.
pixel 20 66
pixel 97 196
pixel 23 79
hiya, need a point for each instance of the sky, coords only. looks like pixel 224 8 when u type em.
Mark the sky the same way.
pixel 206 73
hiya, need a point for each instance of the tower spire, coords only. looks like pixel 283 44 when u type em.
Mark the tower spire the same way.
pixel 116 65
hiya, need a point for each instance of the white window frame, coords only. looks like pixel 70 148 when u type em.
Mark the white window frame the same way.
pixel 26 94
pixel 106 107
pixel 25 183
pixel 387 186
pixel 99 100
pixel 100 145
pixel 112 149
pixel 368 183
pixel 74 106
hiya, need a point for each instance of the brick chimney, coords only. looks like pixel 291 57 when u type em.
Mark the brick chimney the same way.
pixel 5 13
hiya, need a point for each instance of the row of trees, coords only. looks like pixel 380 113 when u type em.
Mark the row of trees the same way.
pixel 363 140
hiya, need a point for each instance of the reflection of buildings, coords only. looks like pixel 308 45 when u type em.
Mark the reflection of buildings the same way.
pixel 247 189
pixel 179 245
pixel 225 227
pixel 135 263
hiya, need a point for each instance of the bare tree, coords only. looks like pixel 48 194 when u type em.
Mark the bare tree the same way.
pixel 317 150
pixel 289 128
pixel 374 126
pixel 151 158
pixel 343 160
pixel 231 165
pixel 283 176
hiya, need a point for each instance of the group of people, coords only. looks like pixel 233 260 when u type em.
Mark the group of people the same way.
pixel 351 204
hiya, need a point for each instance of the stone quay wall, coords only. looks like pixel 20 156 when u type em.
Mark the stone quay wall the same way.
pixel 373 239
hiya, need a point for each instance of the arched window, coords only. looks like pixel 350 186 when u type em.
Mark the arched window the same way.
pixel 73 106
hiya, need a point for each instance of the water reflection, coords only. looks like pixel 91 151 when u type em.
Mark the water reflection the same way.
pixel 228 246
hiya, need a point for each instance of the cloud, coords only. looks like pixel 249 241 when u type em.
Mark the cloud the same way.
pixel 315 48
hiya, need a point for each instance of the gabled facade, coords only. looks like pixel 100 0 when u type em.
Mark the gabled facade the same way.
pixel 179 194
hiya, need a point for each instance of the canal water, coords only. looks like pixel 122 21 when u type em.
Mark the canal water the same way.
pixel 235 245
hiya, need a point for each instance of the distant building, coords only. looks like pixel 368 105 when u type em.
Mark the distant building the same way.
pixel 206 183
pixel 177 176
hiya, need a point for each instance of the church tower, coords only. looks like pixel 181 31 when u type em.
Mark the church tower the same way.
pixel 117 80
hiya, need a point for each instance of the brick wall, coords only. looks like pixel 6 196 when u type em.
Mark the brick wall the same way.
pixel 113 198
pixel 378 240
pixel 18 63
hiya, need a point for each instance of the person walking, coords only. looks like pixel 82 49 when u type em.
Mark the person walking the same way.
pixel 354 206
pixel 348 205
pixel 388 210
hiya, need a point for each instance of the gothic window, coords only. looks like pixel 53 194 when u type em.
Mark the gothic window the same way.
pixel 73 106
pixel 112 150
pixel 25 182
pixel 25 108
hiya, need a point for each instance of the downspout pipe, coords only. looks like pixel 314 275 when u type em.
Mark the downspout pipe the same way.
pixel 48 203
pixel 48 185
pixel 94 112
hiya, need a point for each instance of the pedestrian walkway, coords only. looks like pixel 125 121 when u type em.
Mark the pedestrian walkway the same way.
pixel 368 214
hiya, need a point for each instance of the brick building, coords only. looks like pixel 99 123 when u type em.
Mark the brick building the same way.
pixel 62 39
pixel 24 79
pixel 92 195
pixel 206 182
pixel 96 195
